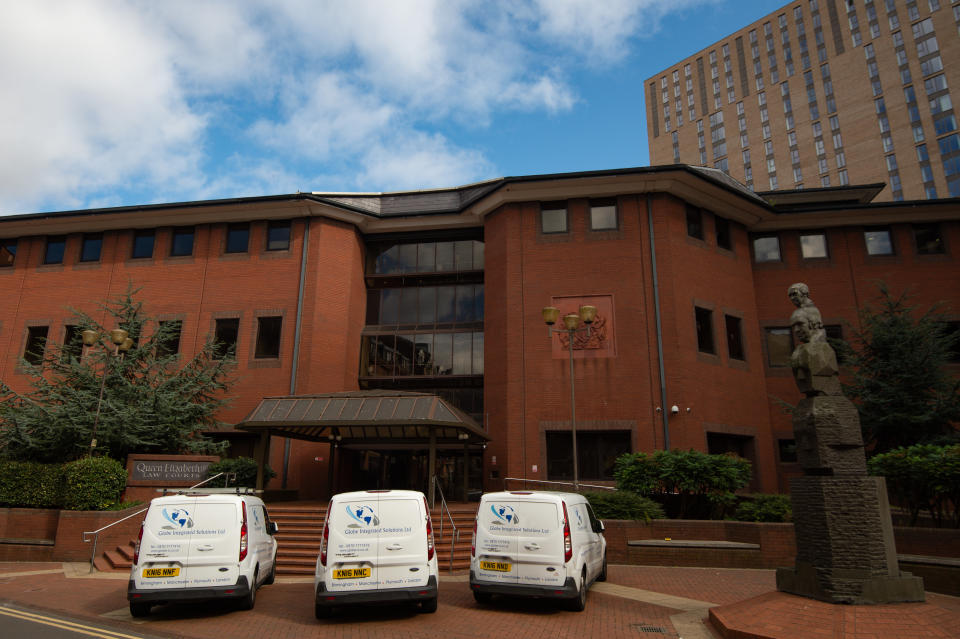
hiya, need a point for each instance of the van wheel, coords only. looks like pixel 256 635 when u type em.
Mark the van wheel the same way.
pixel 603 571
pixel 482 597
pixel 247 602
pixel 139 609
pixel 580 601
pixel 273 573
pixel 429 605
pixel 322 612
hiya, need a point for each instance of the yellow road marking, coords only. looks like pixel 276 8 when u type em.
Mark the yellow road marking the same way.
pixel 64 625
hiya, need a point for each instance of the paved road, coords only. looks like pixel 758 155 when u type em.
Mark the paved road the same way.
pixel 17 622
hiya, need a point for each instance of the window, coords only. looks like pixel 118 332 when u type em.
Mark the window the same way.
pixel 225 334
pixel 603 216
pixel 597 451
pixel 143 243
pixel 8 252
pixel 268 337
pixel 766 248
pixel 787 450
pixel 90 248
pixel 278 235
pixel 181 242
pixel 704 321
pixel 553 218
pixel 694 222
pixel 72 343
pixel 238 238
pixel 168 338
pixel 734 337
pixel 928 239
pixel 722 227
pixel 813 245
pixel 779 346
pixel 56 247
pixel 36 344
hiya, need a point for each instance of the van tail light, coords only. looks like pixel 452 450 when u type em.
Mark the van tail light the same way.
pixel 326 536
pixel 567 542
pixel 243 532
pixel 429 531
pixel 136 550
pixel 473 542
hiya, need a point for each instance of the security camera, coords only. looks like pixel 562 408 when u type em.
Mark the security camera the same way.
pixel 674 409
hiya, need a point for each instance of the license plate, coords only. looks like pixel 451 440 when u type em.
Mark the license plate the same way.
pixel 161 572
pixel 351 573
pixel 498 566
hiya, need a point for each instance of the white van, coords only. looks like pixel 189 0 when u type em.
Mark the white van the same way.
pixel 540 544
pixel 206 544
pixel 377 547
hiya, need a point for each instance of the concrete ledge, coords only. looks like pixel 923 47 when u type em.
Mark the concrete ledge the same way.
pixel 27 542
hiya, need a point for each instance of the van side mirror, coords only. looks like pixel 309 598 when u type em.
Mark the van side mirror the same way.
pixel 600 527
pixel 272 528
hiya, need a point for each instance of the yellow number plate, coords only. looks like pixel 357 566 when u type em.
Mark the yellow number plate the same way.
pixel 351 573
pixel 161 572
pixel 499 566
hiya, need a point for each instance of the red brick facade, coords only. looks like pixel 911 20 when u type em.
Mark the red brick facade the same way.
pixel 526 372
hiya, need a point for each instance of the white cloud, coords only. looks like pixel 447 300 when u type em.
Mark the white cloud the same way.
pixel 161 101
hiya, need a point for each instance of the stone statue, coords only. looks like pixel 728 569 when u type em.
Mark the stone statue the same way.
pixel 845 550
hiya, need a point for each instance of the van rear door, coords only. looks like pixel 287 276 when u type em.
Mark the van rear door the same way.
pixel 213 557
pixel 402 543
pixel 352 544
pixel 498 533
pixel 540 543
pixel 164 547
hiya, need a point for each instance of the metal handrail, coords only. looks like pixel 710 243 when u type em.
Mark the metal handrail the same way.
pixel 543 481
pixel 96 533
pixel 455 537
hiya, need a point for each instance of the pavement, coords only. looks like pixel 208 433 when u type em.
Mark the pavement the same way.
pixel 647 602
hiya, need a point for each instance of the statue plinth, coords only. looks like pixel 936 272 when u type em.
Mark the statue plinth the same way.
pixel 845 547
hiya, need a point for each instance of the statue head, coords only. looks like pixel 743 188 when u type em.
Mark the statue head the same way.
pixel 798 293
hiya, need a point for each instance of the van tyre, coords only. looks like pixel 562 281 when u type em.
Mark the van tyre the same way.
pixel 247 602
pixel 430 605
pixel 603 571
pixel 482 597
pixel 139 609
pixel 580 601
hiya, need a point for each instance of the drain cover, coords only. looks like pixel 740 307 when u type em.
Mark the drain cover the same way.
pixel 645 628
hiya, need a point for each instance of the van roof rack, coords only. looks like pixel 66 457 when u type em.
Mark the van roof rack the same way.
pixel 236 490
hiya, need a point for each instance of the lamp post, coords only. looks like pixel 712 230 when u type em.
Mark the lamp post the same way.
pixel 571 326
pixel 121 344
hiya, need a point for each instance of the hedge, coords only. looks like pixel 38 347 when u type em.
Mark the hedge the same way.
pixel 92 483
pixel 622 504
pixel 244 467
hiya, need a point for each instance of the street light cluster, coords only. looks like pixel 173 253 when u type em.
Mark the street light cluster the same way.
pixel 571 325
pixel 121 344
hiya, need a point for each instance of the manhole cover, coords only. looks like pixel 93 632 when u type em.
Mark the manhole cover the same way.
pixel 649 629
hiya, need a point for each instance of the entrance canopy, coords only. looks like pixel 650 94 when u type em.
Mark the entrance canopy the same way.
pixel 364 417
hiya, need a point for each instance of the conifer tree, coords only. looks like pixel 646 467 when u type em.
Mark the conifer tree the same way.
pixel 152 400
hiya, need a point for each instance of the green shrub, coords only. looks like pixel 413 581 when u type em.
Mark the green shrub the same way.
pixel 93 483
pixel 689 484
pixel 763 507
pixel 623 504
pixel 30 485
pixel 244 467
pixel 923 477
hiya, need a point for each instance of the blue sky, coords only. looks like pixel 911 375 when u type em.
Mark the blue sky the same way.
pixel 113 103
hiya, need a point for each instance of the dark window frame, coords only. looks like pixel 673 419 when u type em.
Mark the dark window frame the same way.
pixel 52 241
pixel 8 256
pixel 138 234
pixel 35 334
pixel 88 241
pixel 826 245
pixel 783 359
pixel 72 342
pixel 725 237
pixel 268 346
pixel 939 240
pixel 171 345
pixel 766 236
pixel 736 349
pixel 228 327
pixel 551 207
pixel 274 243
pixel 694 219
pixel 236 235
pixel 703 324
pixel 598 204
pixel 591 446
pixel 180 232
pixel 879 229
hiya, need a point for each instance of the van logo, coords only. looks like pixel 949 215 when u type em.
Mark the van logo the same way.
pixel 504 514
pixel 363 515
pixel 576 511
pixel 180 518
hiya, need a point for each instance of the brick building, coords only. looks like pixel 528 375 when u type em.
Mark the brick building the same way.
pixel 441 292
pixel 821 93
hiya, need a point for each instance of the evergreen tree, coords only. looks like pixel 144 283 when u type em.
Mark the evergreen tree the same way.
pixel 152 402
pixel 900 382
